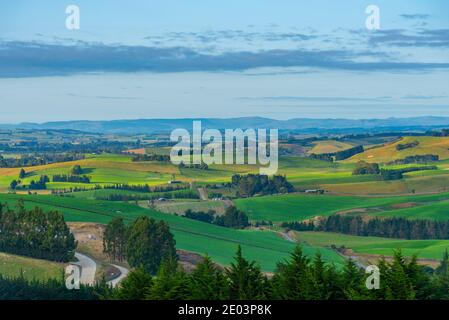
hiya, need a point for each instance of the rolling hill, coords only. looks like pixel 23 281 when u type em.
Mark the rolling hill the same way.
pixel 300 124
pixel 265 247
pixel 427 145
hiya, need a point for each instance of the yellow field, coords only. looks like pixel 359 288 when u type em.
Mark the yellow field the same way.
pixel 427 145
pixel 329 146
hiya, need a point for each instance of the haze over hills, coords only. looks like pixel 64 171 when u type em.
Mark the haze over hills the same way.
pixel 300 124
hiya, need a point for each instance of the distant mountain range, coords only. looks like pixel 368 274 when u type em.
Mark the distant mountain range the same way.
pixel 145 126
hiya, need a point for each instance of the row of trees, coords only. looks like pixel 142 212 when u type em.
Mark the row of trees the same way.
pixel 179 194
pixel 70 178
pixel 151 157
pixel 397 174
pixel 420 159
pixel 364 167
pixel 38 159
pixel 40 184
pixel 202 166
pixel 337 156
pixel 408 145
pixel 35 234
pixel 388 227
pixel 251 184
pixel 232 218
pixel 135 188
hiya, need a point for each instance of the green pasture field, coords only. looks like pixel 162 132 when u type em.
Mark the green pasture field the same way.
pixel 13 266
pixel 296 207
pixel 180 206
pixel 426 249
pixel 432 211
pixel 266 247
pixel 432 181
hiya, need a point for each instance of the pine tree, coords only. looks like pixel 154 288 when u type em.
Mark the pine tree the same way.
pixel 397 279
pixel 149 242
pixel 171 283
pixel 353 281
pixel 293 279
pixel 135 286
pixel 114 239
pixel 207 282
pixel 22 174
pixel 246 280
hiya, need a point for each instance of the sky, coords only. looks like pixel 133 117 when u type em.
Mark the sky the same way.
pixel 200 58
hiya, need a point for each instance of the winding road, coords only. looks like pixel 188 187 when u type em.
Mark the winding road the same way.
pixel 88 268
pixel 123 274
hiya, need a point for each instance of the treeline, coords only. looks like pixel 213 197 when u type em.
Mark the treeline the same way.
pixel 135 188
pixel 143 187
pixel 251 184
pixel 399 228
pixel 20 288
pixel 296 278
pixel 179 194
pixel 40 184
pixel 409 145
pixel 397 174
pixel 441 133
pixel 364 168
pixel 420 159
pixel 322 156
pixel 70 178
pixel 151 157
pixel 36 234
pixel 38 159
pixel 338 156
pixel 348 153
pixel 202 166
pixel 99 145
pixel 232 218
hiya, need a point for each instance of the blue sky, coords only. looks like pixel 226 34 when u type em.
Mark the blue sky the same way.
pixel 167 59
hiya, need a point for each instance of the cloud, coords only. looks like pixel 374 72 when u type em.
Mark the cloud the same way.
pixel 233 36
pixel 415 16
pixel 401 38
pixel 105 97
pixel 423 97
pixel 320 99
pixel 27 59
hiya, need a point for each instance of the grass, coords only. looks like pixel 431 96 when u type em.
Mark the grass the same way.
pixel 415 182
pixel 103 169
pixel 427 145
pixel 266 247
pixel 295 207
pixel 181 206
pixel 13 266
pixel 329 146
pixel 426 249
pixel 432 211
